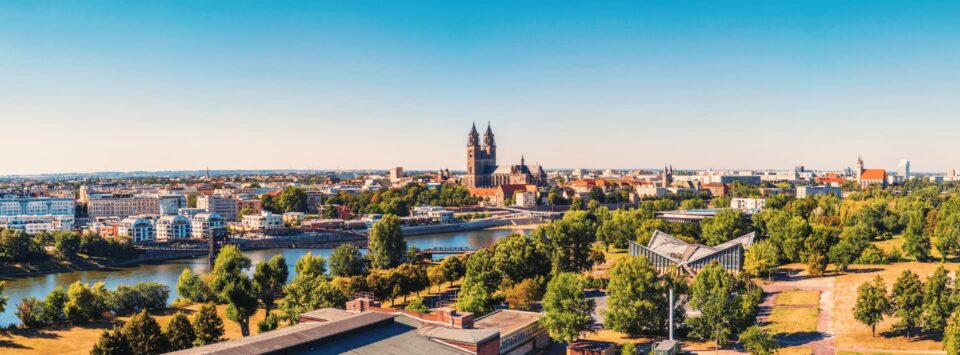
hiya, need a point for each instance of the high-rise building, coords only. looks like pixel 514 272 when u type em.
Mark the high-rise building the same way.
pixel 903 169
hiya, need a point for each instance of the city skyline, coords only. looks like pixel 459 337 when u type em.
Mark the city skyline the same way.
pixel 105 86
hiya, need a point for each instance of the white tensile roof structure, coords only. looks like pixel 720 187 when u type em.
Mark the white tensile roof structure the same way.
pixel 667 253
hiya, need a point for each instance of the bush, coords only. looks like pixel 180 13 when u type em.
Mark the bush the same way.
pixel 523 295
pixel 268 323
pixel 33 313
pixel 141 296
pixel 872 255
pixel 758 341
pixel 416 305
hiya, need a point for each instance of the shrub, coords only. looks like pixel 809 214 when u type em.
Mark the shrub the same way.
pixel 141 296
pixel 416 305
pixel 872 255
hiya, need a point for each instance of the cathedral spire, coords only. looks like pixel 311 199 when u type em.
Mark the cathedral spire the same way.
pixel 521 160
pixel 488 136
pixel 473 138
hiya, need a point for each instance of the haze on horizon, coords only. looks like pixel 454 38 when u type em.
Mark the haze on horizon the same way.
pixel 183 85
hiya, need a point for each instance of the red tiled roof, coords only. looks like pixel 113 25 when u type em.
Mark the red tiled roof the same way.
pixel 483 192
pixel 874 174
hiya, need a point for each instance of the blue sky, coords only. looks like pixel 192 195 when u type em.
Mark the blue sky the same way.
pixel 164 85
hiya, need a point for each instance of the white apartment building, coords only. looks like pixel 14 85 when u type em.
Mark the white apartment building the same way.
pixel 747 203
pixel 173 227
pixel 225 206
pixel 138 229
pixel 35 215
pixel 264 220
pixel 203 225
pixel 525 199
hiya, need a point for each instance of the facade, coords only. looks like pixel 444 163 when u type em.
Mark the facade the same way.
pixel 804 191
pixel 667 253
pixel 264 220
pixel 483 171
pixel 138 229
pixel 204 225
pixel 525 199
pixel 173 227
pixel 122 205
pixel 867 177
pixel 396 173
pixel 747 203
pixel 35 215
pixel 171 203
pixel 225 206
pixel 903 169
pixel 255 206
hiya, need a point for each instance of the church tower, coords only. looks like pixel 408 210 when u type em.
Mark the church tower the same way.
pixel 489 148
pixel 859 167
pixel 474 159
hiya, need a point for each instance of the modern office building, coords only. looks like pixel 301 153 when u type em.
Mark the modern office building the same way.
pixel 173 227
pixel 903 169
pixel 171 203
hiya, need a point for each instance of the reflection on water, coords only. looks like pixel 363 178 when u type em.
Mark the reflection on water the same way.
pixel 167 272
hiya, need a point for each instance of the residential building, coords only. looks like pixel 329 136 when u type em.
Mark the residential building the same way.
pixel 122 205
pixel 716 189
pixel 525 199
pixel 223 205
pixel 173 228
pixel 804 191
pixel 169 204
pixel 205 225
pixel 294 218
pixel 264 220
pixel 251 206
pixel 137 228
pixel 747 203
pixel 37 214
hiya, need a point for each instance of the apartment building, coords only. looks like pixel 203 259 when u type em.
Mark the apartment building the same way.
pixel 264 220
pixel 173 227
pixel 137 228
pixel 225 206
pixel 205 225
pixel 34 215
pixel 122 205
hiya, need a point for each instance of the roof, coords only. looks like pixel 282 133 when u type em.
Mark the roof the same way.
pixel 873 174
pixel 393 338
pixel 483 192
pixel 293 336
pixel 507 320
pixel 684 253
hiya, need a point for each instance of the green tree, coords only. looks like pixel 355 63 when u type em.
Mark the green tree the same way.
pixel 522 295
pixel 637 298
pixel 346 261
pixel 453 268
pixel 436 275
pixel 207 326
pixel 907 301
pixel 386 245
pixel 416 305
pixel 569 240
pixel 112 342
pixel 568 312
pixel 479 283
pixel 620 228
pixel 760 258
pixel 916 242
pixel 231 284
pixel 872 303
pixel 727 224
pixel 519 257
pixel 951 336
pixel 144 335
pixel 268 280
pixel 179 332
pixel 310 289
pixel 723 303
pixel 83 304
pixel 191 287
pixel 758 341
pixel 936 300
pixel 947 228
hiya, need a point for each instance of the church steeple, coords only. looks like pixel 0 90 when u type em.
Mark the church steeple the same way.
pixel 488 137
pixel 473 138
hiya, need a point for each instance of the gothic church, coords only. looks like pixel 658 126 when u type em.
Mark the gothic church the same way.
pixel 483 171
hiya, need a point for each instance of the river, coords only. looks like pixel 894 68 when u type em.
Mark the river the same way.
pixel 168 272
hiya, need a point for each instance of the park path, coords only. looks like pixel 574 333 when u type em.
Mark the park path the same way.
pixel 821 341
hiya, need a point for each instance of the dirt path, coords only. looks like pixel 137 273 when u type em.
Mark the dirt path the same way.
pixel 821 341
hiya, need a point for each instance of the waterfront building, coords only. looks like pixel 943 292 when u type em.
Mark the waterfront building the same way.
pixel 122 205
pixel 173 227
pixel 137 228
pixel 223 205
pixel 483 171
pixel 264 220
pixel 204 225
pixel 37 214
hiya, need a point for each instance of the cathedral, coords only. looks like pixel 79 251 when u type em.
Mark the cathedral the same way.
pixel 483 171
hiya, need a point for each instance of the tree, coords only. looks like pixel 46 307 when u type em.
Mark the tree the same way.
pixel 916 243
pixel 907 301
pixel 83 304
pixel 386 245
pixel 436 276
pixel 569 240
pixel 416 305
pixel 727 224
pixel 268 280
pixel 479 283
pixel 951 335
pixel 207 326
pixel 936 300
pixel 568 312
pixel 179 332
pixel 758 341
pixel 191 287
pixel 127 300
pixel 761 257
pixel 112 342
pixel 66 244
pixel 453 268
pixel 637 298
pixel 723 302
pixel 231 284
pixel 144 335
pixel 519 257
pixel 872 303
pixel 310 289
pixel 346 260
pixel 620 228
pixel 3 299
pixel 522 295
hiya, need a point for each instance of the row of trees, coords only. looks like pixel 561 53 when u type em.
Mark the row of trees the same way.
pixel 82 303
pixel 142 335
pixel 397 201
pixel 916 304
pixel 17 246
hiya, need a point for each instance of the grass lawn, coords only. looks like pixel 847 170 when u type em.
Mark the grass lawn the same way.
pixel 793 320
pixel 798 298
pixel 863 353
pixel 795 350
pixel 80 339
pixel 896 243
pixel 852 334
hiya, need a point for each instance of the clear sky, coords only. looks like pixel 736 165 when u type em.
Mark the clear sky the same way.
pixel 176 85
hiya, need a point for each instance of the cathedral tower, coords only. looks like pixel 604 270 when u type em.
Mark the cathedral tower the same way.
pixel 474 159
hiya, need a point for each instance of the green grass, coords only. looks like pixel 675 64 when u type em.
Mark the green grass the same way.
pixel 793 320
pixel 798 298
